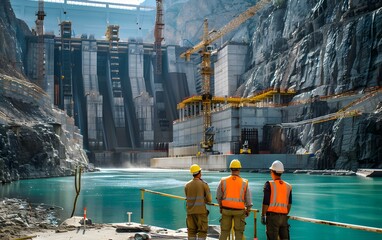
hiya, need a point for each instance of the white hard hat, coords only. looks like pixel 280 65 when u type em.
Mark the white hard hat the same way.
pixel 277 166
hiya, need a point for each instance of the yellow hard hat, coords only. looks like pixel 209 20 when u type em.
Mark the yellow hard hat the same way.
pixel 195 168
pixel 235 164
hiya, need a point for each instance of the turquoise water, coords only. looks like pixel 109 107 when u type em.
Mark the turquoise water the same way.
pixel 108 195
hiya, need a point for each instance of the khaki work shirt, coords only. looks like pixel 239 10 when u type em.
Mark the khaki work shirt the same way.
pixel 197 195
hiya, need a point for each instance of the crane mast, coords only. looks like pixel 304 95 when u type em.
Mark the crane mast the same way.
pixel 206 71
pixel 158 34
pixel 40 43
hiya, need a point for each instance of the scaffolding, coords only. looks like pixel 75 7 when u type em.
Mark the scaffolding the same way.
pixel 112 35
pixel 193 106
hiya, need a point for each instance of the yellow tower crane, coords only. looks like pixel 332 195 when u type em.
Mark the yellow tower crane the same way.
pixel 206 71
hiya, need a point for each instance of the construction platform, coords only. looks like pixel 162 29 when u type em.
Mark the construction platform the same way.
pixel 369 172
pixel 250 162
pixel 73 229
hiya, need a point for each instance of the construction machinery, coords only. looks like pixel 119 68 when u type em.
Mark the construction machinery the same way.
pixel 204 49
pixel 245 148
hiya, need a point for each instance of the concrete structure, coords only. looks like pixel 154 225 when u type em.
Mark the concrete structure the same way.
pixel 121 105
pixel 258 162
pixel 233 125
pixel 109 88
pixel 230 65
pixel 90 17
pixel 235 120
pixel 32 67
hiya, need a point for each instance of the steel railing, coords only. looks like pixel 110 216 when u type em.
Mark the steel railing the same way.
pixel 255 211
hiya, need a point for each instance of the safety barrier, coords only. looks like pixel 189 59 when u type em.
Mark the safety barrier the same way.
pixel 337 224
pixel 255 211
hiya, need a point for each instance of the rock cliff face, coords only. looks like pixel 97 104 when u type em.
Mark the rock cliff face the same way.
pixel 330 46
pixel 35 140
pixel 317 48
pixel 323 48
pixel 12 41
pixel 184 19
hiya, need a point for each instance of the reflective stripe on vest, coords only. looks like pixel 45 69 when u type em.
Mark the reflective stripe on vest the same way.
pixel 195 201
pixel 234 189
pixel 280 192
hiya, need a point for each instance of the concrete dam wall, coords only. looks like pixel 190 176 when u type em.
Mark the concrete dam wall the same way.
pixel 255 162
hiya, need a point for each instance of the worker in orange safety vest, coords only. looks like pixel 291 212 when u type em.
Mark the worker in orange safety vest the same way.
pixel 197 195
pixel 277 202
pixel 235 202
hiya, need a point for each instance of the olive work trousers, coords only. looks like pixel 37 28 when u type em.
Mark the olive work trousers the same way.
pixel 238 217
pixel 197 226
pixel 277 226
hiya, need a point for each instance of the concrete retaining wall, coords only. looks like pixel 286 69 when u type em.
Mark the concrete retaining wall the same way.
pixel 125 158
pixel 252 162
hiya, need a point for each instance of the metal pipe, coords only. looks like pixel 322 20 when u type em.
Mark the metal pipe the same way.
pixel 26 238
pixel 255 225
pixel 183 198
pixel 142 204
pixel 338 224
pixel 163 194
pixel 302 219
pixel 129 218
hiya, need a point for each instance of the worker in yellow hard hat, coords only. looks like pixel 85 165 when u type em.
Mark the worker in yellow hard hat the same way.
pixel 277 202
pixel 197 195
pixel 235 201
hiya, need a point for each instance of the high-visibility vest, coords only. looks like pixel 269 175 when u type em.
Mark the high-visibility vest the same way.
pixel 280 191
pixel 234 189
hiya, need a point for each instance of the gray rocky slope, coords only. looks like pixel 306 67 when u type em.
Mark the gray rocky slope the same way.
pixel 324 48
pixel 35 140
pixel 317 48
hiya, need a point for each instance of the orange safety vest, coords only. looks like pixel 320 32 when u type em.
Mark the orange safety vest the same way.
pixel 234 189
pixel 280 191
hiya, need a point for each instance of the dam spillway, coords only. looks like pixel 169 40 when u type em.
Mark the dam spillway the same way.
pixel 108 87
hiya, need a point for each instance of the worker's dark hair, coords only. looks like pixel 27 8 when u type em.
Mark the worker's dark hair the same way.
pixel 196 174
pixel 235 169
pixel 276 173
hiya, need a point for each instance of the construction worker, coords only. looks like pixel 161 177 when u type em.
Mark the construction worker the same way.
pixel 235 202
pixel 277 203
pixel 197 195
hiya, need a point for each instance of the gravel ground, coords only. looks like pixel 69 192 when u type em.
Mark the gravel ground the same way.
pixel 19 219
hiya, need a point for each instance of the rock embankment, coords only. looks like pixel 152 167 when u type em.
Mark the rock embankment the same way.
pixel 19 218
